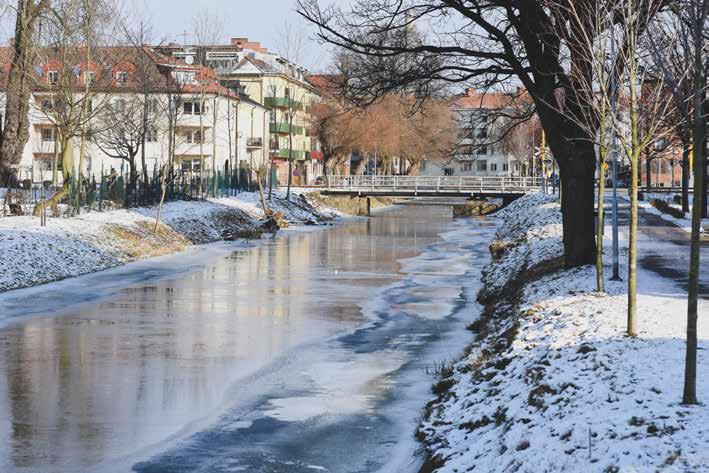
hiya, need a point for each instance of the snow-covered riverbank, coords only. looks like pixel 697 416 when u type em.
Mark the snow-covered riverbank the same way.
pixel 93 241
pixel 552 383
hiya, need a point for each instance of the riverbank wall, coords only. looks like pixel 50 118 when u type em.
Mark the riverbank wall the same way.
pixel 551 382
pixel 352 205
pixel 94 241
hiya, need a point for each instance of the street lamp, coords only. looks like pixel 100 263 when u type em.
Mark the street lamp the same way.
pixel 614 160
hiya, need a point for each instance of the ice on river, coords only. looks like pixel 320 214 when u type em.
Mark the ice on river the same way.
pixel 310 352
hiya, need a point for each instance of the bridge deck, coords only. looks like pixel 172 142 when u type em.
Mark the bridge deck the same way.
pixel 431 186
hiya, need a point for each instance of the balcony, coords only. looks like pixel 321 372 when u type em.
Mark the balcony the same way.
pixel 283 102
pixel 284 127
pixel 254 142
pixel 283 153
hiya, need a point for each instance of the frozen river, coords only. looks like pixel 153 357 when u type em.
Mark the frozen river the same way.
pixel 311 352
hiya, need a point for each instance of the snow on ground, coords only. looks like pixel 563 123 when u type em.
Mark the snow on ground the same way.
pixel 552 383
pixel 530 233
pixel 683 223
pixel 92 241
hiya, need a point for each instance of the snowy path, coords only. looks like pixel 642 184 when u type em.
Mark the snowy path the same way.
pixel 553 383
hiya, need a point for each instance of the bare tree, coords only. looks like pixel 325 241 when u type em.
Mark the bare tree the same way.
pixel 15 130
pixel 120 132
pixel 207 30
pixel 71 80
pixel 696 17
pixel 485 43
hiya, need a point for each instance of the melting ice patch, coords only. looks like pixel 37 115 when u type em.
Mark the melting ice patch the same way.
pixel 345 386
pixel 427 310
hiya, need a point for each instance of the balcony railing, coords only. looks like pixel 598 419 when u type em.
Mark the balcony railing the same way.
pixel 284 127
pixel 254 142
pixel 283 102
pixel 283 153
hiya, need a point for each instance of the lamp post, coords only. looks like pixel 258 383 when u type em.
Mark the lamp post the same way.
pixel 614 160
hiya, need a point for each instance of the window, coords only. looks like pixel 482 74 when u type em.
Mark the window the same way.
pixel 46 104
pixel 184 77
pixel 482 150
pixel 467 167
pixel 53 77
pixel 493 166
pixel 121 78
pixel 447 171
pixel 191 165
pixel 505 167
pixel 192 108
pixel 481 165
pixel 286 92
pixel 89 77
pixel 119 105
pixel 423 164
pixel 151 135
pixel 47 134
pixel 193 136
pixel 153 106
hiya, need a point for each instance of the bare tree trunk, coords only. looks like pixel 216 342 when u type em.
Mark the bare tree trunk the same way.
pixel 16 127
pixel 55 157
pixel 163 185
pixel 266 210
pixel 600 225
pixel 699 138
pixel 290 156
pixel 632 251
pixel 685 177
pixel 67 173
pixel 144 166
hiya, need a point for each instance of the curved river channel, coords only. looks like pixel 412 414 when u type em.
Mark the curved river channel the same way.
pixel 311 352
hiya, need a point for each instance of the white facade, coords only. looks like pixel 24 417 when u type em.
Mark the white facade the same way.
pixel 480 150
pixel 226 137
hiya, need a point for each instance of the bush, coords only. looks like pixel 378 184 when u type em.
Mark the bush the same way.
pixel 664 207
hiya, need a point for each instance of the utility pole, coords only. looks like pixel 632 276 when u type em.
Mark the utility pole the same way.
pixel 614 160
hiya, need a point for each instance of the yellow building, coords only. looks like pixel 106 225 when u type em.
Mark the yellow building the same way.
pixel 280 86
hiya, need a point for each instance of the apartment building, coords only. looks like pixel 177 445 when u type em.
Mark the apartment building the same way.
pixel 480 151
pixel 188 111
pixel 277 84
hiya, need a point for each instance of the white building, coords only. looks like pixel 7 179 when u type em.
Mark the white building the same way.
pixel 480 151
pixel 213 126
pixel 277 84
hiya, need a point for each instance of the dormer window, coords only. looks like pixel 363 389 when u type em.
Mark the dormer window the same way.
pixel 121 78
pixel 184 77
pixel 53 77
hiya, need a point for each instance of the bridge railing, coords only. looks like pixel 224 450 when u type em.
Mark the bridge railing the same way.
pixel 435 183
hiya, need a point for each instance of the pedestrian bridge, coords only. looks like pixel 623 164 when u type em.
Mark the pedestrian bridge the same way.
pixel 471 187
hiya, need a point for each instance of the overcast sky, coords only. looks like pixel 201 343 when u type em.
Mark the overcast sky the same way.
pixel 259 20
